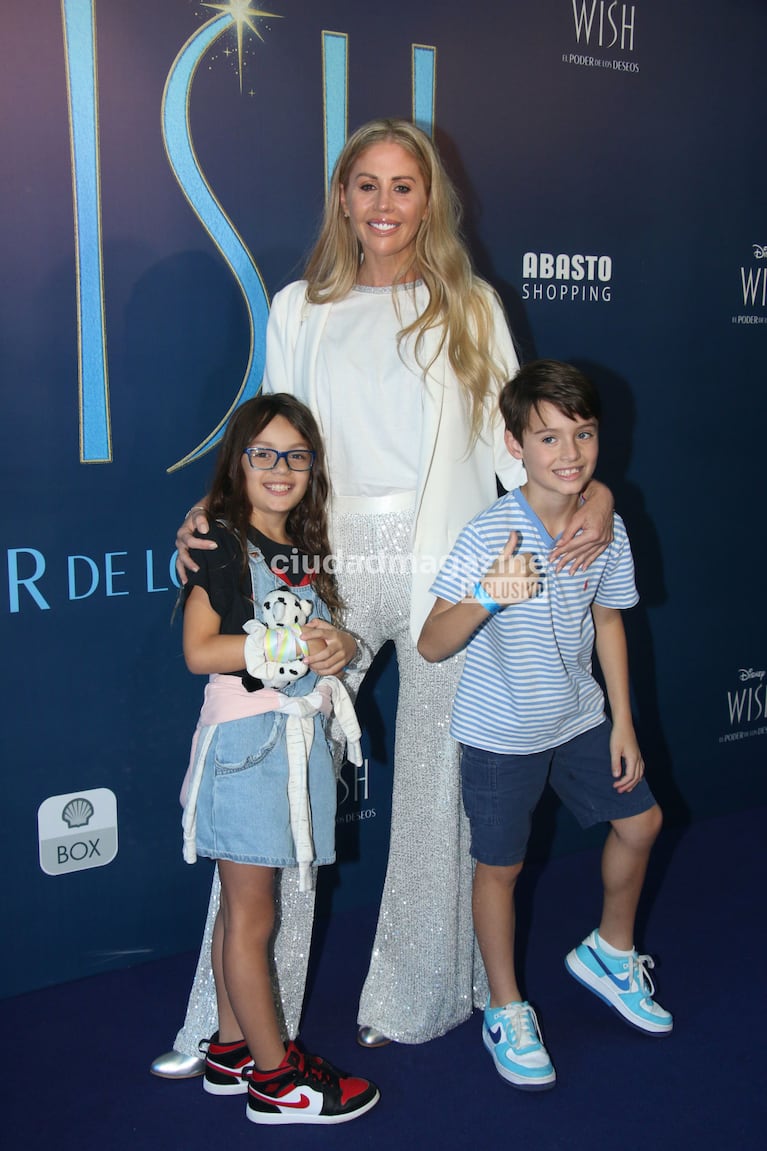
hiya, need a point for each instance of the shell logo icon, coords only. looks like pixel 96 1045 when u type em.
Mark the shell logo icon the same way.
pixel 78 812
pixel 77 831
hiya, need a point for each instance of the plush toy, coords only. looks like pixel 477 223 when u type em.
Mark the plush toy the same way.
pixel 274 648
pixel 272 654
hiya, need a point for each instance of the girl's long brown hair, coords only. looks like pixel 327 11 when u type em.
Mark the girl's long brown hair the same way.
pixel 307 523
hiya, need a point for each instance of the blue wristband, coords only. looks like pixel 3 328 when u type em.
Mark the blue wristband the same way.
pixel 486 601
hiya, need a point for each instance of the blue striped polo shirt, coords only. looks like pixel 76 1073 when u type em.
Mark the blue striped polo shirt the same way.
pixel 527 683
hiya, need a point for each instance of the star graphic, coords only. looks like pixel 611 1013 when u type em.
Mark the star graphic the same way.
pixel 243 16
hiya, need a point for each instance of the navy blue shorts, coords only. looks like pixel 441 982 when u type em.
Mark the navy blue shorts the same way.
pixel 501 792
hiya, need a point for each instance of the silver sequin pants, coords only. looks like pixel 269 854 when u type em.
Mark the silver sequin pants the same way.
pixel 425 973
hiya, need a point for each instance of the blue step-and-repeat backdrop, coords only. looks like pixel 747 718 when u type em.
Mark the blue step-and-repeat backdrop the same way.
pixel 164 167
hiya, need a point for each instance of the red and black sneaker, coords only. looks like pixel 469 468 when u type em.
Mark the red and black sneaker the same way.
pixel 306 1089
pixel 225 1066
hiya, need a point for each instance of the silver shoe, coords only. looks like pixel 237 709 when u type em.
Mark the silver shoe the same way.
pixel 176 1065
pixel 371 1037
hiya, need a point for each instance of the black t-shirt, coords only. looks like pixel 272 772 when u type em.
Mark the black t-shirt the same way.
pixel 229 588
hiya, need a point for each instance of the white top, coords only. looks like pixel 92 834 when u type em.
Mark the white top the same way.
pixel 370 392
pixel 455 479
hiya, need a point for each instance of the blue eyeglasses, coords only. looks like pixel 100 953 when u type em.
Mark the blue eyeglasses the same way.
pixel 264 459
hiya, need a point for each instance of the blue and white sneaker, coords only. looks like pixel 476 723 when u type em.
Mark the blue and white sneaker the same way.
pixel 512 1036
pixel 622 982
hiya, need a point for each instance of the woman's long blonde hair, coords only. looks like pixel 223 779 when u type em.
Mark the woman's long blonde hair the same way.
pixel 459 307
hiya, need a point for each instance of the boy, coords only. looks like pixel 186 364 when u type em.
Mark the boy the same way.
pixel 528 709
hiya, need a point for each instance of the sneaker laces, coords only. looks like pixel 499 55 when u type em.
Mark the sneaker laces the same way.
pixel 522 1021
pixel 312 1066
pixel 639 970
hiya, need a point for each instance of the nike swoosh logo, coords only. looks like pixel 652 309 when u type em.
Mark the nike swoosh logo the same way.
pixel 621 984
pixel 301 1103
pixel 496 1034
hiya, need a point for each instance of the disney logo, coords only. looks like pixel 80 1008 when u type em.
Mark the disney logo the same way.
pixel 760 251
pixel 746 673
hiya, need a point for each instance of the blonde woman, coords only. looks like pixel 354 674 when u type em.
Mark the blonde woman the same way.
pixel 400 350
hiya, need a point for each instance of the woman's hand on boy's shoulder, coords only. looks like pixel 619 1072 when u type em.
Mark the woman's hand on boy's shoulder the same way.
pixel 588 533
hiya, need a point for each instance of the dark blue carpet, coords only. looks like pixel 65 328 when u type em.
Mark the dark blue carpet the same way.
pixel 77 1073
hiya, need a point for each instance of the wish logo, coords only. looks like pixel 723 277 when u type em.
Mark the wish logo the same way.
pixel 567 278
pixel 747 706
pixel 753 288
pixel 603 28
pixel 77 831
pixel 354 802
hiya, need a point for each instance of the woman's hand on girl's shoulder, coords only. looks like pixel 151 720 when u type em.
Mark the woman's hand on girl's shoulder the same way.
pixel 339 647
pixel 196 521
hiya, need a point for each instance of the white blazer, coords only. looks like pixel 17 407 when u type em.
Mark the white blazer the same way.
pixel 454 483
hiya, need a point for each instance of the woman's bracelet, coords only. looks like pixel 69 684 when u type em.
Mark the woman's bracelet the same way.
pixel 362 657
pixel 196 508
pixel 486 601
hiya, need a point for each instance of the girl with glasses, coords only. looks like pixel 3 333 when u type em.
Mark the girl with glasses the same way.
pixel 268 496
